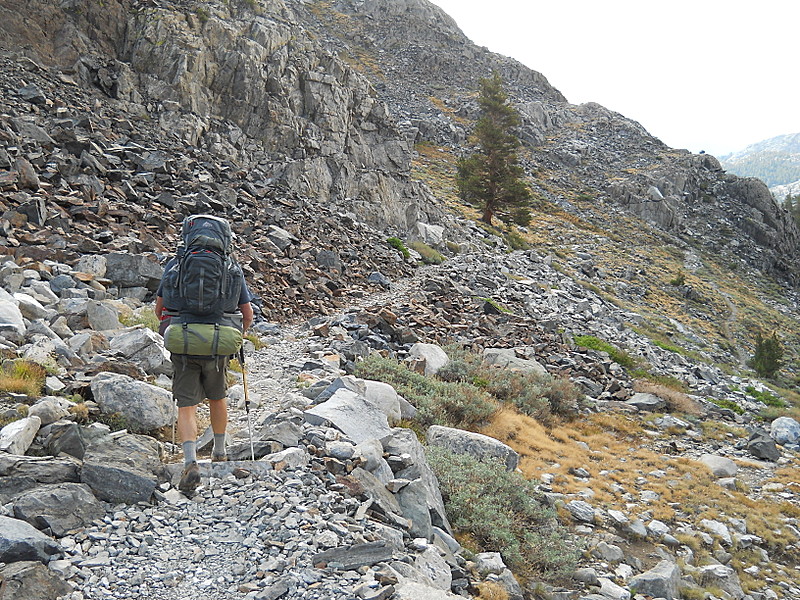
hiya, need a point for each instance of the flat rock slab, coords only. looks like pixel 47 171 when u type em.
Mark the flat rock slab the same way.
pixel 349 558
pixel 352 414
pixel 477 445
pixel 59 507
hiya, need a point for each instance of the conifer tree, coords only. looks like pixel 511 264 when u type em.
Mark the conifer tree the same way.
pixel 492 177
pixel 768 357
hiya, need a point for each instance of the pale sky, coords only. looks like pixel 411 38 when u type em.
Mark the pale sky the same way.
pixel 713 75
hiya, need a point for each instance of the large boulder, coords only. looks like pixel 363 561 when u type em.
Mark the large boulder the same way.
pixel 723 578
pixel 11 319
pixel 59 507
pixel 17 436
pixel 384 397
pixel 647 402
pixel 144 407
pixel 762 446
pixel 123 469
pixel 719 465
pixel 785 431
pixel 31 580
pixel 22 541
pixel 479 446
pixel 352 414
pixel 133 270
pixel 662 581
pixel 49 409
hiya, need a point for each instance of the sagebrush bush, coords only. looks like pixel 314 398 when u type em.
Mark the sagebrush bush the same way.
pixel 618 356
pixel 398 245
pixel 437 402
pixel 430 256
pixel 503 512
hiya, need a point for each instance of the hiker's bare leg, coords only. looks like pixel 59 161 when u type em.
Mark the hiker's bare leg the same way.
pixel 219 415
pixel 187 423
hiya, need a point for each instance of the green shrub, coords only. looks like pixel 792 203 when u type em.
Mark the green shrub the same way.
pixel 538 396
pixel 453 247
pixel 398 245
pixel 618 356
pixel 504 512
pixel 729 404
pixel 429 255
pixel 767 398
pixel 516 241
pixel 496 305
pixel 678 280
pixel 438 402
pixel 202 14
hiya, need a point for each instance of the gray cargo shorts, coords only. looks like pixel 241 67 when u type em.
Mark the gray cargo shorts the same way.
pixel 196 378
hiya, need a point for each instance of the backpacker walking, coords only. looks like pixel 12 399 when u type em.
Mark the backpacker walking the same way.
pixel 204 306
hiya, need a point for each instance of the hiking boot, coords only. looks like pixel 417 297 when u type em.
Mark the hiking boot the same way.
pixel 219 458
pixel 190 478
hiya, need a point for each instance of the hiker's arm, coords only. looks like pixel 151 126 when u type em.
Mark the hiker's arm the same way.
pixel 247 315
pixel 159 307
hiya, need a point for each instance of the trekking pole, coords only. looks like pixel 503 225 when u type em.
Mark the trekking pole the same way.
pixel 247 403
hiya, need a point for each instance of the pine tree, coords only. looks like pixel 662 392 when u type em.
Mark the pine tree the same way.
pixel 492 177
pixel 768 357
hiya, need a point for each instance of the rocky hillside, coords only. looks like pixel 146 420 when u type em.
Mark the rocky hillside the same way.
pixel 775 161
pixel 320 129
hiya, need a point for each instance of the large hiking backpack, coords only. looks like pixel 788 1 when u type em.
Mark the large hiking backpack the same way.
pixel 201 289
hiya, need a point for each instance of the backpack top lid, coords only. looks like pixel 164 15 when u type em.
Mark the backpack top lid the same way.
pixel 207 231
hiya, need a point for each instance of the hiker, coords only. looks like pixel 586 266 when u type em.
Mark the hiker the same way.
pixel 203 303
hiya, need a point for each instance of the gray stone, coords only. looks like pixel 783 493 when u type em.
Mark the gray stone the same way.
pixel 11 318
pixel 508 359
pixel 413 501
pixel 17 436
pixel 22 541
pixel 719 465
pixel 722 577
pixel 430 356
pixel 718 529
pixel 65 437
pixel 581 511
pixel 348 382
pixel 376 490
pixel 145 407
pixel 280 237
pixel 31 580
pixel 123 469
pixel 785 431
pixel 371 452
pixel 92 264
pixel 479 446
pixel 489 562
pixel 352 557
pixel 612 591
pixel 102 316
pixel 434 567
pixel 404 441
pixel 30 307
pixel 608 552
pixel 384 397
pixel 58 507
pixel 662 581
pixel 22 473
pixel 133 270
pixel 430 234
pixel 647 402
pixel 762 446
pixel 292 458
pixel 352 414
pixel 49 409
pixel 145 348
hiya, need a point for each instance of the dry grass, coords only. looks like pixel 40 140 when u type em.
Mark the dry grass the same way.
pixel 489 590
pixel 677 402
pixel 22 377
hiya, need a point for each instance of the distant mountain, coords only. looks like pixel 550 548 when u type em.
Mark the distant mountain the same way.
pixel 775 161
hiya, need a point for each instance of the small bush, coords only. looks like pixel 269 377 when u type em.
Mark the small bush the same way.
pixel 398 245
pixel 618 356
pixel 767 398
pixel 80 412
pixel 22 377
pixel 728 404
pixel 429 255
pixel 202 14
pixel 678 280
pixel 453 247
pixel 502 511
pixel 516 241
pixel 438 402
pixel 255 340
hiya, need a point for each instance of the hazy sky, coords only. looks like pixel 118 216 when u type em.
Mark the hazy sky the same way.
pixel 708 75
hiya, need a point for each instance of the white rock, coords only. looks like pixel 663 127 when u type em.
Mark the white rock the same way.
pixel 719 465
pixel 17 436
